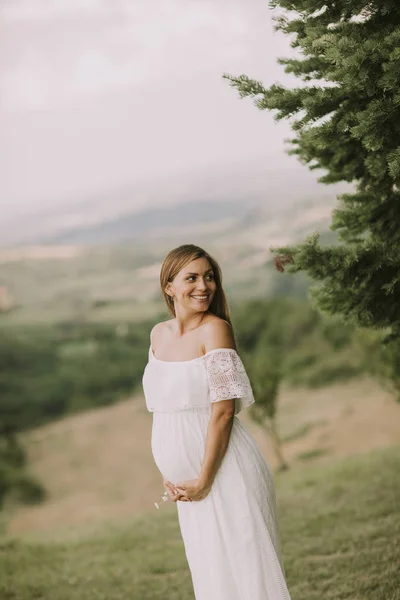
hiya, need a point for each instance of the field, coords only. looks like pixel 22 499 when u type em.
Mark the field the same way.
pixel 99 536
pixel 97 465
pixel 340 526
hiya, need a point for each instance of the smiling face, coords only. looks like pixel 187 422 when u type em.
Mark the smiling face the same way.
pixel 194 286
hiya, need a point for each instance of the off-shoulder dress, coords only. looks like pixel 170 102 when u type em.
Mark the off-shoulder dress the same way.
pixel 231 537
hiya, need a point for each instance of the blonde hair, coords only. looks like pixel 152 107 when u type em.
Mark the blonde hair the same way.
pixel 176 260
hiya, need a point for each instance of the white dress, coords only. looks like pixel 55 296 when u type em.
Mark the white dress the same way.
pixel 231 537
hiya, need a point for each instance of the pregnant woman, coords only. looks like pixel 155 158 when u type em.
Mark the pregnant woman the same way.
pixel 195 384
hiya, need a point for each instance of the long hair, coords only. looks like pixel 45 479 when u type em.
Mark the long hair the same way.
pixel 176 260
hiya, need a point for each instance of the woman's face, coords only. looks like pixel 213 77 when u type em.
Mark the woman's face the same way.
pixel 194 286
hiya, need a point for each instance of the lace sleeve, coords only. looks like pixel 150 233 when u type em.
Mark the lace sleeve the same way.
pixel 227 378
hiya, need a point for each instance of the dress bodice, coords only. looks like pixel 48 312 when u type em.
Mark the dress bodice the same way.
pixel 178 385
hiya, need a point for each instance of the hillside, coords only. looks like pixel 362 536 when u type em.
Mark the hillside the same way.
pixel 339 523
pixel 98 465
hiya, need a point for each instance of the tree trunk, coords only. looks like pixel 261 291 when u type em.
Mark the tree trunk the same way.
pixel 277 444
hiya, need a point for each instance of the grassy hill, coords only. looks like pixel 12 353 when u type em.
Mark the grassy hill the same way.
pixel 97 465
pixel 99 536
pixel 340 526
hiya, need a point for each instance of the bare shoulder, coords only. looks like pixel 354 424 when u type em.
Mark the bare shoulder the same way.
pixel 159 330
pixel 217 333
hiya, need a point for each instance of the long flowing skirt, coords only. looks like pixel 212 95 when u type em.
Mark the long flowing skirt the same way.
pixel 231 537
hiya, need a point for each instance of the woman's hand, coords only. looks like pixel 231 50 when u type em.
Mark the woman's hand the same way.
pixel 192 490
pixel 172 492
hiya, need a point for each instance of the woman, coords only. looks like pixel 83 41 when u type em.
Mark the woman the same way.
pixel 195 384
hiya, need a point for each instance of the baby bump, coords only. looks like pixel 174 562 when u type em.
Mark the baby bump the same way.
pixel 178 442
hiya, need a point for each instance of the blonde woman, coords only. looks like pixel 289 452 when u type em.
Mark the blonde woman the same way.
pixel 195 384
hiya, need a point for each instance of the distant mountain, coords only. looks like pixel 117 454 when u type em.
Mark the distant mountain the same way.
pixel 152 222
pixel 165 208
pixel 204 220
pixel 110 271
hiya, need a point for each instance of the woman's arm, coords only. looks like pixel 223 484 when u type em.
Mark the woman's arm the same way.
pixel 218 434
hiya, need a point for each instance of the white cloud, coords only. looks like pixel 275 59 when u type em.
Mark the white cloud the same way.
pixel 42 10
pixel 88 48
pixel 98 95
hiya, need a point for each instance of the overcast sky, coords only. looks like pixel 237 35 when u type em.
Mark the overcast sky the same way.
pixel 98 95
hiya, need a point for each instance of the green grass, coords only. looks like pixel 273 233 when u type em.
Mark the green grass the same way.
pixel 310 454
pixel 340 528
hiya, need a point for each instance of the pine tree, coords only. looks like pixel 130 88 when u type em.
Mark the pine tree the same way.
pixel 346 119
